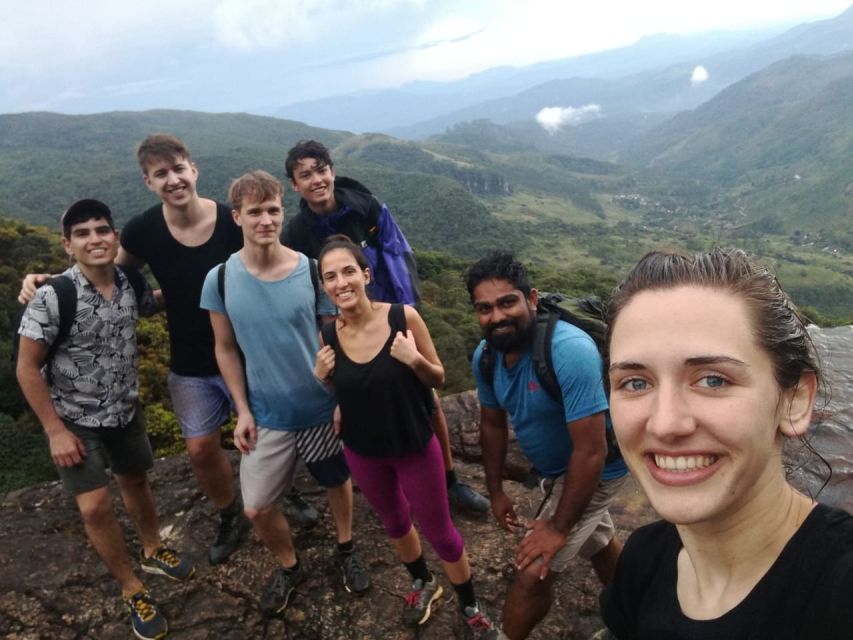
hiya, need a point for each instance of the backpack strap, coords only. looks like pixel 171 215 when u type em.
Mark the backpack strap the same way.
pixel 220 281
pixel 543 361
pixel 397 318
pixel 487 365
pixel 314 269
pixel 66 295
pixel 330 335
pixel 136 280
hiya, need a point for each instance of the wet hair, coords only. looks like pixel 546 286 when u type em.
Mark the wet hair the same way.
pixel 161 146
pixel 498 265
pixel 340 241
pixel 306 149
pixel 255 186
pixel 778 327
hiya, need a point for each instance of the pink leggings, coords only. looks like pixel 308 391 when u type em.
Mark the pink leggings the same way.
pixel 402 486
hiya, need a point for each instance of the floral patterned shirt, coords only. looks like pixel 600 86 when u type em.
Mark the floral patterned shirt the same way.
pixel 93 372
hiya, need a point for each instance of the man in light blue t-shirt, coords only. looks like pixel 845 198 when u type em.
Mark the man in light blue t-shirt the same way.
pixel 264 306
pixel 566 440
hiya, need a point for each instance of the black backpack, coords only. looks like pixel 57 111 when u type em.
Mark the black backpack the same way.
pixel 66 296
pixel 586 313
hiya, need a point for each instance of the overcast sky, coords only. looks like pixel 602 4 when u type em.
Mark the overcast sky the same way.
pixel 92 55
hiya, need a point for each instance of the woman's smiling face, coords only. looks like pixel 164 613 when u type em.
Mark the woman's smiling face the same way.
pixel 694 402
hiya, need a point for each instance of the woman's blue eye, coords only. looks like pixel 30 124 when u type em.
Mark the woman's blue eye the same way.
pixel 634 384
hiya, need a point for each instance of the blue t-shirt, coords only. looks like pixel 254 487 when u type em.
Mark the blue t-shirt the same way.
pixel 540 422
pixel 275 324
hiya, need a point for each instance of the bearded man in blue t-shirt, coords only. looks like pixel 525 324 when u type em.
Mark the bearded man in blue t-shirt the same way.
pixel 566 440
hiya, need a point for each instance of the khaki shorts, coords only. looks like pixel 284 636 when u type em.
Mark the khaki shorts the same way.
pixel 267 471
pixel 593 531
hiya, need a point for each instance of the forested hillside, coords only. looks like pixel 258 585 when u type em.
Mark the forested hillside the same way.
pixel 579 223
pixel 780 142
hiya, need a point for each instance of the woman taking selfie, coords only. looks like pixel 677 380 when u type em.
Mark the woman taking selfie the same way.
pixel 710 370
pixel 381 362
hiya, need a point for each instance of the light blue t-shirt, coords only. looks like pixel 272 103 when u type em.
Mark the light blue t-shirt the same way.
pixel 275 324
pixel 540 422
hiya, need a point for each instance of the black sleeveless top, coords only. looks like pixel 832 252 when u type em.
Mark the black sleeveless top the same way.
pixel 385 408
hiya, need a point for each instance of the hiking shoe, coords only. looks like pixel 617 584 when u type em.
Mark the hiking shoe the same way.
pixel 277 594
pixel 478 626
pixel 419 601
pixel 298 510
pixel 231 530
pixel 145 618
pixel 356 578
pixel 464 497
pixel 168 563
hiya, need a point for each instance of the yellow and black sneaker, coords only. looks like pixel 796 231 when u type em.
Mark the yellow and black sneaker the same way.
pixel 168 563
pixel 145 618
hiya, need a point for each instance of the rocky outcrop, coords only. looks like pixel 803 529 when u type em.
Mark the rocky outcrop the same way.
pixel 830 441
pixel 52 585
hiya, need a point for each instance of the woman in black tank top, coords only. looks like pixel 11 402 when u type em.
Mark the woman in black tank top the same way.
pixel 382 363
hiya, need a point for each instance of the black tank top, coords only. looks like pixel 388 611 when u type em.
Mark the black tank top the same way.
pixel 385 408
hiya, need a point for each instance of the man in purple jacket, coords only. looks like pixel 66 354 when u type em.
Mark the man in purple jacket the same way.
pixel 331 205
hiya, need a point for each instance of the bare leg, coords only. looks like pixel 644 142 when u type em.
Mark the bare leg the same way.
pixel 604 562
pixel 212 469
pixel 527 601
pixel 340 504
pixel 458 572
pixel 273 530
pixel 139 502
pixel 408 547
pixel 104 532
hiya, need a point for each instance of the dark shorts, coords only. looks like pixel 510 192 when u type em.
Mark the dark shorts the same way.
pixel 125 450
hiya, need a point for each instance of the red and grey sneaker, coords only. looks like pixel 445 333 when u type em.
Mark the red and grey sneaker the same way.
pixel 420 600
pixel 478 625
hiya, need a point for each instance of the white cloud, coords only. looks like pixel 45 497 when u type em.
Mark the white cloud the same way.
pixel 552 119
pixel 699 75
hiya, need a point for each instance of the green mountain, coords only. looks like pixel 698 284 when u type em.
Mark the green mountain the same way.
pixel 47 159
pixel 579 222
pixel 439 192
pixel 780 142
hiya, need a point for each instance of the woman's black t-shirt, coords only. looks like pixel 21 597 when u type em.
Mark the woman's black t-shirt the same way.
pixel 807 594
pixel 385 408
pixel 180 271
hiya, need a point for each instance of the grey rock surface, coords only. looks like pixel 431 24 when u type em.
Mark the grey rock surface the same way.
pixel 52 585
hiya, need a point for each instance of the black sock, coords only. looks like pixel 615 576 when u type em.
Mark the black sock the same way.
pixel 465 593
pixel 231 510
pixel 451 478
pixel 418 569
pixel 346 548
